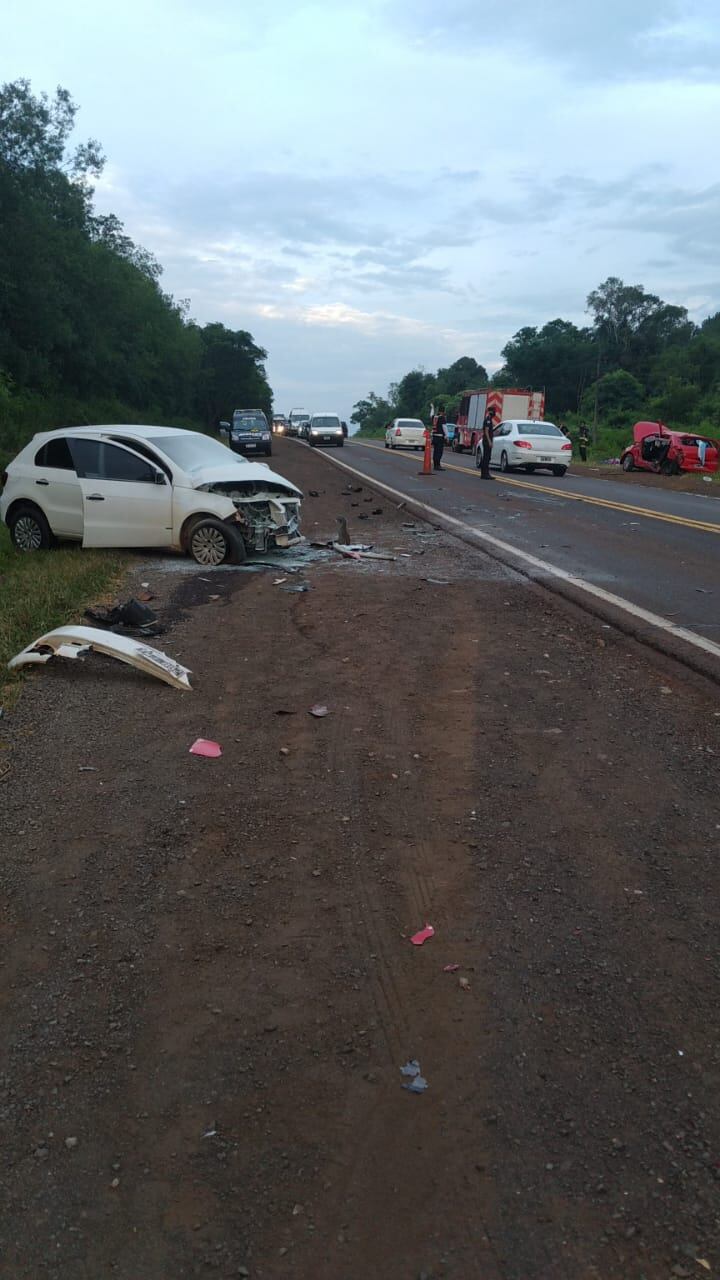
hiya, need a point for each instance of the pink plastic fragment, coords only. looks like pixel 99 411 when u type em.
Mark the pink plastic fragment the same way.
pixel 450 968
pixel 319 710
pixel 204 747
pixel 418 938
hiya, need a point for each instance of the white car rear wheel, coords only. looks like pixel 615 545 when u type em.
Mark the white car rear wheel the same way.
pixel 29 530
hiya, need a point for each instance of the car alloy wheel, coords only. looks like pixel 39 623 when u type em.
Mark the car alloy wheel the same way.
pixel 27 534
pixel 29 530
pixel 504 464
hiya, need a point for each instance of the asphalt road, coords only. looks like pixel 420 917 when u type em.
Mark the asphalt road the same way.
pixel 661 551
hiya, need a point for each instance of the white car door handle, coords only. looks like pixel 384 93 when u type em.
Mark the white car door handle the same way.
pixel 42 481
pixel 95 497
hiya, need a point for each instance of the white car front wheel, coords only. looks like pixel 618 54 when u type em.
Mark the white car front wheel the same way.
pixel 212 542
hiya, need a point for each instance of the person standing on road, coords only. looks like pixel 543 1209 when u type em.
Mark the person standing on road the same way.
pixel 438 439
pixel 583 442
pixel 488 428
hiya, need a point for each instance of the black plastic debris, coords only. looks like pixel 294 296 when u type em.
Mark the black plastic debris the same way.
pixel 133 615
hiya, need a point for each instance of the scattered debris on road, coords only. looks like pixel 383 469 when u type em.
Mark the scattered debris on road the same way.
pixel 133 615
pixel 450 968
pixel 207 748
pixel 75 641
pixel 319 710
pixel 418 1083
pixel 418 938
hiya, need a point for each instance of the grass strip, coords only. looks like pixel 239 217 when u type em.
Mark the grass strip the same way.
pixel 46 589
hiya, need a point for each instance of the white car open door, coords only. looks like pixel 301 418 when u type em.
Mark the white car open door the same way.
pixel 127 501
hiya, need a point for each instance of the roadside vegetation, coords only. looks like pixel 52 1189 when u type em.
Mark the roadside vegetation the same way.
pixel 639 358
pixel 87 334
pixel 45 590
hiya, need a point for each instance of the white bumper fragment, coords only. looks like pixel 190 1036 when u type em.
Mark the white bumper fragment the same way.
pixel 70 642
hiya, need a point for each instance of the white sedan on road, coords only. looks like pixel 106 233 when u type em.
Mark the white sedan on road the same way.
pixel 405 433
pixel 137 486
pixel 531 445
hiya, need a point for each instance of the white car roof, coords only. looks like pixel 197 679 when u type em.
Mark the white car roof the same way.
pixel 128 428
pixel 326 413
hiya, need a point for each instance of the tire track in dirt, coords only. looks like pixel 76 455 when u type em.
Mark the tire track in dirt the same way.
pixel 408 801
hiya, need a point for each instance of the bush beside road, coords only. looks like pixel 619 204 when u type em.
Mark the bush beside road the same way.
pixel 209 986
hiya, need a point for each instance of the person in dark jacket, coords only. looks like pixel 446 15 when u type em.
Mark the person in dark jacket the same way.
pixel 488 427
pixel 583 442
pixel 438 440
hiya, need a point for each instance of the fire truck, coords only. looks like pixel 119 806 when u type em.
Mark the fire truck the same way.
pixel 508 403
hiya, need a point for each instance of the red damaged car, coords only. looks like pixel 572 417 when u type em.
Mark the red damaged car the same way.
pixel 656 448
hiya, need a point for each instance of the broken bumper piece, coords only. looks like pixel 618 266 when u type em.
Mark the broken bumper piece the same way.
pixel 71 642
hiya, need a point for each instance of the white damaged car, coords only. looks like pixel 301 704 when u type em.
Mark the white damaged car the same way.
pixel 137 486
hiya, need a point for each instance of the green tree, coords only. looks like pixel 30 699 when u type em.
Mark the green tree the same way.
pixel 373 414
pixel 559 358
pixel 414 393
pixel 464 374
pixel 232 374
pixel 619 397
pixel 86 331
pixel 632 326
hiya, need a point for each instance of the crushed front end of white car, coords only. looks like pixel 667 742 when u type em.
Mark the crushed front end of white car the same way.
pixel 268 514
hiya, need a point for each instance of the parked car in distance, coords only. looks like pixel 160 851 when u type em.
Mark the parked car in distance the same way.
pixel 145 486
pixel 295 421
pixel 345 431
pixel 325 428
pixel 249 432
pixel 656 447
pixel 405 433
pixel 529 444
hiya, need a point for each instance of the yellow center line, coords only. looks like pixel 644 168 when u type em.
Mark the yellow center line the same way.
pixel 706 526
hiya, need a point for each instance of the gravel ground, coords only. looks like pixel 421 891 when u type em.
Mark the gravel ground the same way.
pixel 208 985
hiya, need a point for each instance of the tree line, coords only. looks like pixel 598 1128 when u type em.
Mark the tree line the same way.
pixel 87 334
pixel 639 357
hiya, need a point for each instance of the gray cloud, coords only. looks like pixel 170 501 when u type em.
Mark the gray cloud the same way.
pixel 605 39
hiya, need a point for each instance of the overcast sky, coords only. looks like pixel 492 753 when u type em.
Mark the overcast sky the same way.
pixel 374 185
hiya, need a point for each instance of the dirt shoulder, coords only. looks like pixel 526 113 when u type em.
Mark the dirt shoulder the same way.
pixel 208 985
pixel 708 486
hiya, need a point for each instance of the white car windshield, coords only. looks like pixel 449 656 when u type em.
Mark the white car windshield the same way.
pixel 324 423
pixel 193 451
